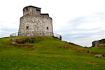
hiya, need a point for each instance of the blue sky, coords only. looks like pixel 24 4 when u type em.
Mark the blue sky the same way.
pixel 78 21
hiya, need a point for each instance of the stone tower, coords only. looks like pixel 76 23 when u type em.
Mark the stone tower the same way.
pixel 35 23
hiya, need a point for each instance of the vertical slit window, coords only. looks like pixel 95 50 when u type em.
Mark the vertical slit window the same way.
pixel 27 27
pixel 47 28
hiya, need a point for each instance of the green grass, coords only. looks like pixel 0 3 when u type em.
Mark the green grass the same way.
pixel 48 53
pixel 97 50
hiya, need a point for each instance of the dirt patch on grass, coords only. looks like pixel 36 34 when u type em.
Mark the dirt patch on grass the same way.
pixel 91 62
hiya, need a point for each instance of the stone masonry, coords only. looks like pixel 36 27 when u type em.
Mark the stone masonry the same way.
pixel 99 43
pixel 35 23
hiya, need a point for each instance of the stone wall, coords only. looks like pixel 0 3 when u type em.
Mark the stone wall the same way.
pixel 33 24
pixel 98 43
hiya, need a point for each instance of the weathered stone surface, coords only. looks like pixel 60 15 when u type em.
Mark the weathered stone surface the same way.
pixel 99 43
pixel 33 23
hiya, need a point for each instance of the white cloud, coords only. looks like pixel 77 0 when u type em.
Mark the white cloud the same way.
pixel 85 29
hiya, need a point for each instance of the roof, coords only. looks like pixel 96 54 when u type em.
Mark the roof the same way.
pixel 37 8
pixel 45 14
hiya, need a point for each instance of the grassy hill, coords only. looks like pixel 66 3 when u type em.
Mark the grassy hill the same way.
pixel 47 53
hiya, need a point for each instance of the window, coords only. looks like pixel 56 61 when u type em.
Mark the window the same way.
pixel 27 27
pixel 47 28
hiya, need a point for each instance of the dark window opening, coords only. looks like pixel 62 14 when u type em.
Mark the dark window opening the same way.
pixel 47 28
pixel 27 27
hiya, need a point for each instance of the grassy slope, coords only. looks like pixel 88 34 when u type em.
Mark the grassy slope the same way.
pixel 47 54
pixel 96 50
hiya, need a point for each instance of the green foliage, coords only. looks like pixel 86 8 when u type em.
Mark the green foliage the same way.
pixel 48 53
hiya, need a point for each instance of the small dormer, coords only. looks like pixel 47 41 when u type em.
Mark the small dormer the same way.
pixel 31 10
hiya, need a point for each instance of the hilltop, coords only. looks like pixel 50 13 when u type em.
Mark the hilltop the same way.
pixel 47 53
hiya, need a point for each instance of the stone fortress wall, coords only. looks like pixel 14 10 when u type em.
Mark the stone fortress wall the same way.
pixel 99 43
pixel 35 23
